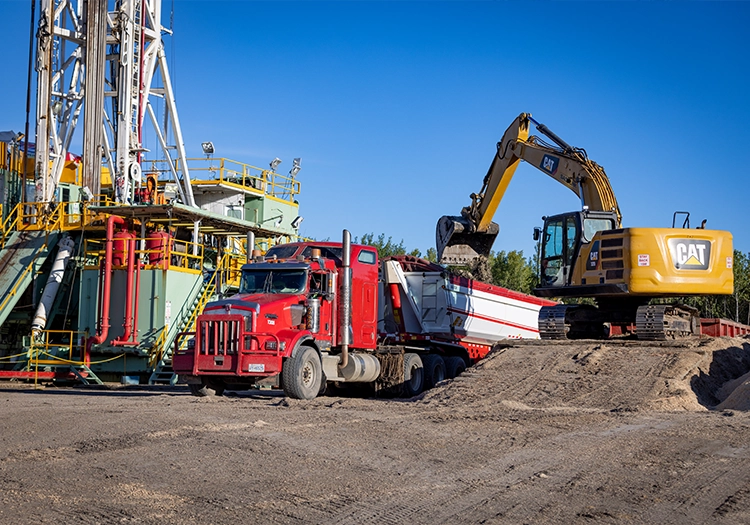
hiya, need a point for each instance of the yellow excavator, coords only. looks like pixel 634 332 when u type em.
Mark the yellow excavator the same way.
pixel 588 253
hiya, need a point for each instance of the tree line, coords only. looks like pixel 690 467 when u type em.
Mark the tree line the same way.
pixel 514 271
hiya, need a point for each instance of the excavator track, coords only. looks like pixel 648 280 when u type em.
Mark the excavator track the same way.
pixel 552 322
pixel 658 322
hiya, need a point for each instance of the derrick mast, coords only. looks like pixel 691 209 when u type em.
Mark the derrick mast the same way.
pixel 107 61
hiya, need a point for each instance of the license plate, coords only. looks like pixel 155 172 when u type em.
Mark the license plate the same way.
pixel 256 368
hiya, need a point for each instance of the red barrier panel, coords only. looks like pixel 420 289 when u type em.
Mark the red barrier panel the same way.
pixel 723 328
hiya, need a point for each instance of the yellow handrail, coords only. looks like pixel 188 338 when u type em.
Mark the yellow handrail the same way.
pixel 227 171
pixel 28 269
pixel 157 349
pixel 171 253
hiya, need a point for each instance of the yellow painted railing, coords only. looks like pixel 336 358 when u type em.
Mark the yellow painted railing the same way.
pixel 237 174
pixel 157 253
pixel 158 348
pixel 50 216
pixel 58 348
pixel 29 269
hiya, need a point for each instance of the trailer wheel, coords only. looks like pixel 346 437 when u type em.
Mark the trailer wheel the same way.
pixel 454 366
pixel 302 374
pixel 434 370
pixel 413 375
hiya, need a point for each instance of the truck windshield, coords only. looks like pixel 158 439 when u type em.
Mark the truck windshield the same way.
pixel 273 281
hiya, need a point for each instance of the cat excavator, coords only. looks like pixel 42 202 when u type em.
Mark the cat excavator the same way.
pixel 588 254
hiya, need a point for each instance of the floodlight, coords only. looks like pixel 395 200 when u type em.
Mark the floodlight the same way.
pixel 296 222
pixel 275 163
pixel 295 168
pixel 208 148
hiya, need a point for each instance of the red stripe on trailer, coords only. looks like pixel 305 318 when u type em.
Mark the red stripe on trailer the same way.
pixel 499 290
pixel 494 320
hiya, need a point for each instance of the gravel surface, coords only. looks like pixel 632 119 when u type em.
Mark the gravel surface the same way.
pixel 538 432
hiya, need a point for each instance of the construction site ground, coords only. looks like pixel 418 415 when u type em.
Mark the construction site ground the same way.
pixel 539 432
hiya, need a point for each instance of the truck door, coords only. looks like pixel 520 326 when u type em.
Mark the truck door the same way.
pixel 559 248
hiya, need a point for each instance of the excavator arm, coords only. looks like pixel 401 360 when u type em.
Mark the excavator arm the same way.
pixel 461 239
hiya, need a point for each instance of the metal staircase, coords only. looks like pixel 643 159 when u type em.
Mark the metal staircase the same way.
pixel 164 346
pixel 21 257
pixel 162 369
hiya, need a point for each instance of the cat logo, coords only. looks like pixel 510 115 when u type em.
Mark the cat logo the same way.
pixel 549 164
pixel 690 254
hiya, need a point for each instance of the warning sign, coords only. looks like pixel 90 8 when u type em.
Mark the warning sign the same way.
pixel 644 259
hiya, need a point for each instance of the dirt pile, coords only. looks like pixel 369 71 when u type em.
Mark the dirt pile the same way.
pixel 627 376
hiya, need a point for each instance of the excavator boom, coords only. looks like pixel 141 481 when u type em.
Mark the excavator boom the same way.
pixel 461 239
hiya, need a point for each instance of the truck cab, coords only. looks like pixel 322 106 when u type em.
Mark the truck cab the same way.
pixel 289 305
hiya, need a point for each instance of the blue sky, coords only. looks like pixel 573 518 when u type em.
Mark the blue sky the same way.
pixel 395 107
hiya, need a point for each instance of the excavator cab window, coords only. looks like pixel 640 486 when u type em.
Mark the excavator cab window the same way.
pixel 559 247
pixel 592 226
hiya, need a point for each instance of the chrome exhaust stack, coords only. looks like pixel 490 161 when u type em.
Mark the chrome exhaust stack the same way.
pixel 345 310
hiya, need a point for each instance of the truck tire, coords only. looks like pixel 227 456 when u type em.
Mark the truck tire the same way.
pixel 207 388
pixel 434 370
pixel 413 375
pixel 454 366
pixel 302 374
pixel 199 390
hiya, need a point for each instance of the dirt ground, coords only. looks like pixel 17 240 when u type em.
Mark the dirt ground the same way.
pixel 536 433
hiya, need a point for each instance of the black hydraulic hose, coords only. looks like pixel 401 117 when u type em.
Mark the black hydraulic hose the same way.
pixel 552 136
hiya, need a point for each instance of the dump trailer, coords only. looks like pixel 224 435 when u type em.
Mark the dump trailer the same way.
pixel 314 314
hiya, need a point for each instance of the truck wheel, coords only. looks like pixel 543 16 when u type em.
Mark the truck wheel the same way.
pixel 434 370
pixel 218 387
pixel 199 390
pixel 454 366
pixel 302 374
pixel 413 375
pixel 207 389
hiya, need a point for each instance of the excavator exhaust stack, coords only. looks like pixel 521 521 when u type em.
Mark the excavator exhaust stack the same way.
pixel 458 243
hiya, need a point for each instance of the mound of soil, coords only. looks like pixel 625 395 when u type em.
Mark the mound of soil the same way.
pixel 695 375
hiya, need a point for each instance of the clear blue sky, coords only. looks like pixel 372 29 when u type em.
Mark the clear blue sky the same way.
pixel 395 107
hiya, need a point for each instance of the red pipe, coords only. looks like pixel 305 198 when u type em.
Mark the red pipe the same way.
pixel 127 325
pixel 101 336
pixel 100 277
pixel 131 310
pixel 137 295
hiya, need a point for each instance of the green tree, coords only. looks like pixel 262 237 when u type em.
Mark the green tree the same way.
pixel 386 247
pixel 511 270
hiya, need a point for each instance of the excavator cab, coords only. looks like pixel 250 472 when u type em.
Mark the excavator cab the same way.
pixel 561 241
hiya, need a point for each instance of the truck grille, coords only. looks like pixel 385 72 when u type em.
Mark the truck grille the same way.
pixel 217 337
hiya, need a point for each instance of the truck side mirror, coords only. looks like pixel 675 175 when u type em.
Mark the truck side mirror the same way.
pixel 537 233
pixel 328 287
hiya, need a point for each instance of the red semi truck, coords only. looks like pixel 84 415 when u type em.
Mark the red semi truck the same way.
pixel 314 313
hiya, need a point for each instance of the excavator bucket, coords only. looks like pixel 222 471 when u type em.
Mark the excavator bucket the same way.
pixel 458 245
